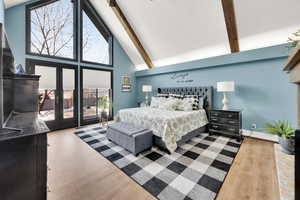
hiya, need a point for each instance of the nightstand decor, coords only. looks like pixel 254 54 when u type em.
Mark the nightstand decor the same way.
pixel 226 86
pixel 226 122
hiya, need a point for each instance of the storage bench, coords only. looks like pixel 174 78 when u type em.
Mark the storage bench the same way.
pixel 134 139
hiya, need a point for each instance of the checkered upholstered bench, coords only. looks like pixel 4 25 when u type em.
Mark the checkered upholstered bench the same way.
pixel 134 139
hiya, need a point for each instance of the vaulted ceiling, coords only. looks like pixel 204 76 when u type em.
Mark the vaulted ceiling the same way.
pixel 174 31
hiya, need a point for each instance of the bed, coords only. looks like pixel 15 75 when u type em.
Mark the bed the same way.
pixel 172 128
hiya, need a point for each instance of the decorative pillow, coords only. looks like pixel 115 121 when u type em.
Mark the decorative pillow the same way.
pixel 201 103
pixel 169 104
pixel 162 95
pixel 177 96
pixel 185 104
pixel 194 99
pixel 155 101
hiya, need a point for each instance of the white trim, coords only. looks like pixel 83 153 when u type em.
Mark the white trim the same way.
pixel 260 135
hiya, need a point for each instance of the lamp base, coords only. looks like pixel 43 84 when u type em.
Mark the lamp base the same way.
pixel 146 99
pixel 225 102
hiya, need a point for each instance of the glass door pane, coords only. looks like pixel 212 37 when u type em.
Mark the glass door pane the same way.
pixel 68 77
pixel 47 92
pixel 96 95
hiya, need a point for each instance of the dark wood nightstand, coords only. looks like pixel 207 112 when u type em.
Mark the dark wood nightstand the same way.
pixel 227 122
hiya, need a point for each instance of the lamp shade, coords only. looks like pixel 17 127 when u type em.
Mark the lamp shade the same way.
pixel 147 88
pixel 225 86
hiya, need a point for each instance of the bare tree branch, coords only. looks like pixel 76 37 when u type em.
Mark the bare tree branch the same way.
pixel 52 28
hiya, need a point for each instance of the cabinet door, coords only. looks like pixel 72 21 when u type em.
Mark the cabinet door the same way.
pixel 17 167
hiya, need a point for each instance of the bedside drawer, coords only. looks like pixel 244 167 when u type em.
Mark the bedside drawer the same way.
pixel 230 115
pixel 220 127
pixel 224 114
pixel 215 120
pixel 233 122
pixel 232 129
pixel 215 127
pixel 216 114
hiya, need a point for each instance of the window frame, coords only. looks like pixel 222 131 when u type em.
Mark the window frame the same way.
pixel 42 3
pixel 86 6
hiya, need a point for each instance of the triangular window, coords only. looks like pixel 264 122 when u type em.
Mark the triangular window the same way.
pixel 96 39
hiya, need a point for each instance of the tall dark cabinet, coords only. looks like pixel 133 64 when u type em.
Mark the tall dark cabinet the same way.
pixel 23 136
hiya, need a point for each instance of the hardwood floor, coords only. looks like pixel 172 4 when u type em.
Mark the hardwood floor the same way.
pixel 80 173
pixel 253 174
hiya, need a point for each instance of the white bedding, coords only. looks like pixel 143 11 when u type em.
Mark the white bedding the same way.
pixel 169 125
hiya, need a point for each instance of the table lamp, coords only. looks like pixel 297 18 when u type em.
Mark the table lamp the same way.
pixel 225 87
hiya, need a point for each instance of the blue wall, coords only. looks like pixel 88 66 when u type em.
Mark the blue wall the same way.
pixel 15 28
pixel 263 90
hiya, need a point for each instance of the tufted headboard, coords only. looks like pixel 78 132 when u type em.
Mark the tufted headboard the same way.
pixel 206 92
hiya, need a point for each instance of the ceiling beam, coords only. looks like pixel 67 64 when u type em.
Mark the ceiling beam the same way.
pixel 293 59
pixel 120 15
pixel 231 26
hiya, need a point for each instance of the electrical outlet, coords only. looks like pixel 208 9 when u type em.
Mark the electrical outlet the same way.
pixel 253 126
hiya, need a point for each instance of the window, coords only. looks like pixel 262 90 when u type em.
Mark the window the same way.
pixel 96 39
pixel 51 28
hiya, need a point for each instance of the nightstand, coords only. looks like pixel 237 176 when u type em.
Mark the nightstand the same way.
pixel 226 122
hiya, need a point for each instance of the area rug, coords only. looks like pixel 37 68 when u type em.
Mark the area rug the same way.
pixel 196 170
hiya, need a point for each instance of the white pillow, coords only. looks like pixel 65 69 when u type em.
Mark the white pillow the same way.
pixel 168 104
pixel 155 101
pixel 186 104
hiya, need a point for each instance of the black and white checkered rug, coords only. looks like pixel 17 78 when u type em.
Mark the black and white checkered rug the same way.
pixel 195 171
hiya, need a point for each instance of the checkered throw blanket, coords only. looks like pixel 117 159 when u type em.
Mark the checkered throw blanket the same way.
pixel 196 170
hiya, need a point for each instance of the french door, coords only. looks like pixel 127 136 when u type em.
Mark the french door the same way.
pixel 96 94
pixel 58 101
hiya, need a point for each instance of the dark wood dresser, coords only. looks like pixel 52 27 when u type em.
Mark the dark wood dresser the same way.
pixel 23 158
pixel 226 122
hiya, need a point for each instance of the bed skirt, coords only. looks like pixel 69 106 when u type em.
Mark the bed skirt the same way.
pixel 161 144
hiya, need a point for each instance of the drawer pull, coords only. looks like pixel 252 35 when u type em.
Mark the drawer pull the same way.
pixel 214 119
pixel 229 115
pixel 215 126
pixel 231 129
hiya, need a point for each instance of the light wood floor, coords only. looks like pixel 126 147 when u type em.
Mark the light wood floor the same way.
pixel 77 172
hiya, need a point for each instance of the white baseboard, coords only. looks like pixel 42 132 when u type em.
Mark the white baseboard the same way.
pixel 260 135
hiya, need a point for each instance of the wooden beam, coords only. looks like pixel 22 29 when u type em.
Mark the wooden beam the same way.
pixel 231 26
pixel 295 74
pixel 115 7
pixel 293 60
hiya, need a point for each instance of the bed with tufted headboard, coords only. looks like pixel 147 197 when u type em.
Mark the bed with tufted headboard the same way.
pixel 172 127
pixel 205 92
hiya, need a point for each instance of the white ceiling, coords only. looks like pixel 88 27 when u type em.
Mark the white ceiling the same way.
pixel 174 31
pixel 264 23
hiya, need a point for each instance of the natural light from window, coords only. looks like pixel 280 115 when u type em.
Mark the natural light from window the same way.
pixel 52 29
pixel 95 47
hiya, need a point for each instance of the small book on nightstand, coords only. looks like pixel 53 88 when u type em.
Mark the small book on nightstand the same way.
pixel 226 122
